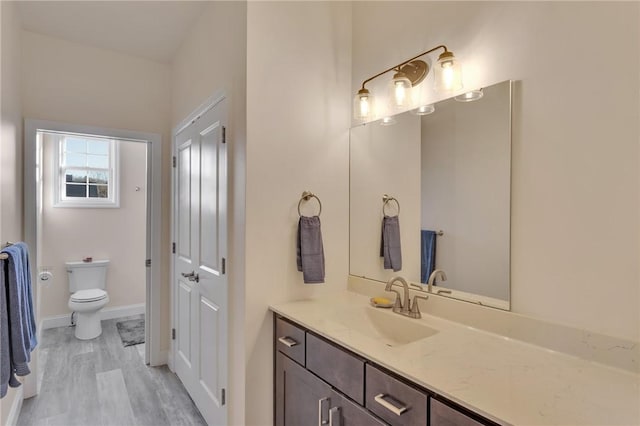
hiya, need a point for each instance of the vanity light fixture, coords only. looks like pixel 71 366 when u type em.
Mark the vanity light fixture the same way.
pixel 447 75
pixel 470 96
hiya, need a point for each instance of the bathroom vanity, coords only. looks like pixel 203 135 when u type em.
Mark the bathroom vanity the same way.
pixel 340 361
pixel 319 381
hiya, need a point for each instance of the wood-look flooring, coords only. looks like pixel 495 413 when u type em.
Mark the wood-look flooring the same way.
pixel 100 382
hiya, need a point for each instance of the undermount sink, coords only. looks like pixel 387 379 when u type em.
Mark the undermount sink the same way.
pixel 384 325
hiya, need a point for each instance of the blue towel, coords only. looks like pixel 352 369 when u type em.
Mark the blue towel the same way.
pixel 310 250
pixel 18 301
pixel 427 254
pixel 390 246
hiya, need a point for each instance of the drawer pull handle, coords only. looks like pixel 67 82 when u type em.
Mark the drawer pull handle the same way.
pixel 335 419
pixel 321 418
pixel 380 399
pixel 287 341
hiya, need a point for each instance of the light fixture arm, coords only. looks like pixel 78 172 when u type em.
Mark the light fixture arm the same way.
pixel 396 67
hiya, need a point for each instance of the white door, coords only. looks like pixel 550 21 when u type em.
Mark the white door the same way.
pixel 200 283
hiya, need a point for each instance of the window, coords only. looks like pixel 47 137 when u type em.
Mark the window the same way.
pixel 87 172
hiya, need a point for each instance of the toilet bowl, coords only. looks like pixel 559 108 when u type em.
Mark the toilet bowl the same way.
pixel 87 309
pixel 87 282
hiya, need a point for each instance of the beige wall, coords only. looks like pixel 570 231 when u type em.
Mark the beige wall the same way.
pixel 117 234
pixel 575 231
pixel 298 115
pixel 11 147
pixel 73 83
pixel 10 144
pixel 212 58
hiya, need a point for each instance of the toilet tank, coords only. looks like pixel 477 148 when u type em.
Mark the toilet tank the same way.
pixel 87 275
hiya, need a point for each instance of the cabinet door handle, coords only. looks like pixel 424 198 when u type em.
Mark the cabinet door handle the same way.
pixel 380 399
pixel 335 419
pixel 287 341
pixel 321 418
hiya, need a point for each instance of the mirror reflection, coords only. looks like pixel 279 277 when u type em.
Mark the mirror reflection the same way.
pixel 449 173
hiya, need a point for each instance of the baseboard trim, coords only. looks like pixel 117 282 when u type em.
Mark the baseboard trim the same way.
pixel 14 412
pixel 122 311
pixel 170 360
pixel 163 358
pixel 105 314
pixel 55 321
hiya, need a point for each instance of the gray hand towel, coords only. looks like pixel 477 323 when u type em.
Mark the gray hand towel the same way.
pixel 310 251
pixel 390 247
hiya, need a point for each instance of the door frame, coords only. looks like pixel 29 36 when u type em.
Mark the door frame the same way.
pixel 153 353
pixel 190 119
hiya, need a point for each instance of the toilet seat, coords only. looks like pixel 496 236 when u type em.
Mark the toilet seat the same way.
pixel 86 296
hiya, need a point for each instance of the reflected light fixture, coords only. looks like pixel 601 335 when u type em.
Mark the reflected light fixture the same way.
pixel 470 96
pixel 447 75
pixel 424 110
pixel 388 121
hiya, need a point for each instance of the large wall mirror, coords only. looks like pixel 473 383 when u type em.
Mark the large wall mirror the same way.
pixel 450 172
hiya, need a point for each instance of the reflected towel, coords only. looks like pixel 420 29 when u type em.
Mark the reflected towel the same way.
pixel 427 254
pixel 390 247
pixel 310 251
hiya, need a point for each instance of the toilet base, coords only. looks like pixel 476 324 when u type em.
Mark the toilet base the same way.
pixel 88 325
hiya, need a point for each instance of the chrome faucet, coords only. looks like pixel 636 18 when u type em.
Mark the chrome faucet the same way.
pixel 434 275
pixel 405 307
pixel 401 307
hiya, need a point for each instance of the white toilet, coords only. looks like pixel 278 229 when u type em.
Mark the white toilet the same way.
pixel 87 281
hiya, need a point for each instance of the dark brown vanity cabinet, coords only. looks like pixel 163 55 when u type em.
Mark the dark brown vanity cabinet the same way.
pixel 441 414
pixel 319 383
pixel 394 401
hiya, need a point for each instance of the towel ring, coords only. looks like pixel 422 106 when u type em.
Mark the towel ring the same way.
pixel 386 200
pixel 306 196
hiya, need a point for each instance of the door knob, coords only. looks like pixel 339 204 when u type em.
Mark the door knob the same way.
pixel 191 276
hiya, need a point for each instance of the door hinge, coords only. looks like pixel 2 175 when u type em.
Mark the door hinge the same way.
pixel 224 396
pixel 147 263
pixel 174 161
pixel 173 334
pixel 173 248
pixel 224 266
pixel 224 134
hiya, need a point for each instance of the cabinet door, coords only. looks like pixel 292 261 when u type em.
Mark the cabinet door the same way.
pixel 345 413
pixel 301 398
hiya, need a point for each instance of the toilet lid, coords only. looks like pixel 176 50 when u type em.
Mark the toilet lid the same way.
pixel 90 295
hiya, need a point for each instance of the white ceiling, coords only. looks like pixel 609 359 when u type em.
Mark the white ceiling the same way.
pixel 150 29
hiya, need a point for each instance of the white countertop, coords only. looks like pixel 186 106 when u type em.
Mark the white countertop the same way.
pixel 505 380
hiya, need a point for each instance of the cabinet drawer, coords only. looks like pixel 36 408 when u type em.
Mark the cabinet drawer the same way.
pixel 290 340
pixel 443 415
pixel 346 413
pixel 340 369
pixel 393 400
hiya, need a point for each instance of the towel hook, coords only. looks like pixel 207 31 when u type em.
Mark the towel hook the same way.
pixel 386 198
pixel 306 196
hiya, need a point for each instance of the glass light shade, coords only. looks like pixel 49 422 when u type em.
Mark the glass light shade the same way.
pixel 388 121
pixel 363 105
pixel 470 96
pixel 400 91
pixel 424 110
pixel 447 73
